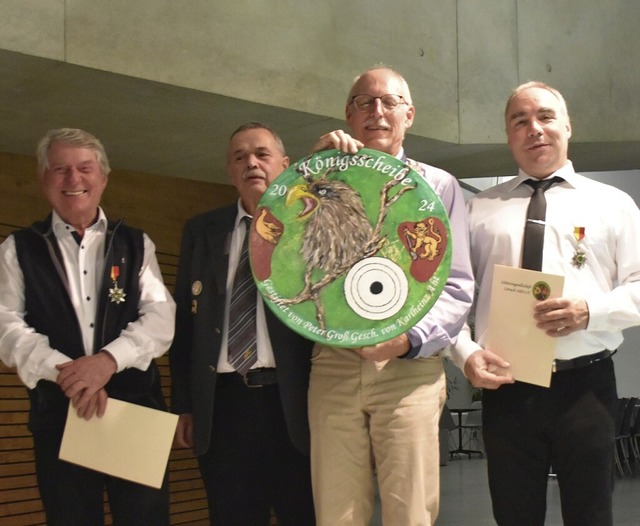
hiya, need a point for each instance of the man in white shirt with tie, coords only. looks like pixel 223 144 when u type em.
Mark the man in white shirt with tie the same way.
pixel 592 238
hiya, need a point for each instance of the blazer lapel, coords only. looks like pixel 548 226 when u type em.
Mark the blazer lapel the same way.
pixel 219 241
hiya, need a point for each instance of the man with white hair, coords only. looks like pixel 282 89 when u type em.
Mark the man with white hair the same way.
pixel 386 399
pixel 83 313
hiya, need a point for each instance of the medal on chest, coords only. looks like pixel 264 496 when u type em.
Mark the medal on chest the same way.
pixel 579 258
pixel 116 294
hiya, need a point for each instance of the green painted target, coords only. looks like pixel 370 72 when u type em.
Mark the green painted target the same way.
pixel 350 249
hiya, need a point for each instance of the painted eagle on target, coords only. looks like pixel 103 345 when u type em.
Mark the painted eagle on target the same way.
pixel 337 233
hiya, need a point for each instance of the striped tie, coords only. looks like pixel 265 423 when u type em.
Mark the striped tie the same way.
pixel 242 312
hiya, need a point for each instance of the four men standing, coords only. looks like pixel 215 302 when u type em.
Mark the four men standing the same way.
pixel 83 312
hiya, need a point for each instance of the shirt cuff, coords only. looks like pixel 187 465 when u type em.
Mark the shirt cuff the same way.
pixel 47 370
pixel 416 344
pixel 119 354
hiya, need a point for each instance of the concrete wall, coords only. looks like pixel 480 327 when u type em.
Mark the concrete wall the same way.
pixel 463 55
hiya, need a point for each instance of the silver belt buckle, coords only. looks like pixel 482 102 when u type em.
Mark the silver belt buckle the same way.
pixel 246 381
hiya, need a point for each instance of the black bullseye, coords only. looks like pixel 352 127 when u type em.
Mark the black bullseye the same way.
pixel 376 288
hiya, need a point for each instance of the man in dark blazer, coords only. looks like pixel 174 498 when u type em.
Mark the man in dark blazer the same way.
pixel 249 431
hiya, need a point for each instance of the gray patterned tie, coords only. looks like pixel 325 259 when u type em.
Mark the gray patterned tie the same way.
pixel 242 312
pixel 534 227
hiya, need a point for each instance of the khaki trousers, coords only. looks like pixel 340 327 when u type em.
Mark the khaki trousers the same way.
pixel 380 417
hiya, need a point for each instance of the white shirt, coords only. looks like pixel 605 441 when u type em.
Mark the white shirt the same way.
pixel 265 352
pixel 144 339
pixel 609 280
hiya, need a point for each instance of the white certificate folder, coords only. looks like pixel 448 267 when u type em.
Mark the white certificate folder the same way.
pixel 512 331
pixel 130 441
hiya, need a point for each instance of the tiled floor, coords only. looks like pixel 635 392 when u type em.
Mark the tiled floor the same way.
pixel 465 497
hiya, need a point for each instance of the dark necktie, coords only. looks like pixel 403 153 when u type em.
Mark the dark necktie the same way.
pixel 534 227
pixel 242 313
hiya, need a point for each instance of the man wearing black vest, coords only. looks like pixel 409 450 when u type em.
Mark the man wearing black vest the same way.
pixel 83 313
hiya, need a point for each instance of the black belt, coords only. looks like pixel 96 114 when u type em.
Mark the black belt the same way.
pixel 260 377
pixel 581 361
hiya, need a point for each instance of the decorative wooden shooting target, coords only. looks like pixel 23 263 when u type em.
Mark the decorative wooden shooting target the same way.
pixel 350 249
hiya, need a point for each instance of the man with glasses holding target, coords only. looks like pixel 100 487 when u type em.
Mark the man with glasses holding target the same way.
pixel 384 401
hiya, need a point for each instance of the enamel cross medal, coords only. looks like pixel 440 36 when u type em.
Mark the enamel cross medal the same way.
pixel 116 294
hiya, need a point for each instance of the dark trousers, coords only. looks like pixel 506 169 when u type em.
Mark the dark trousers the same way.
pixel 570 426
pixel 251 465
pixel 73 495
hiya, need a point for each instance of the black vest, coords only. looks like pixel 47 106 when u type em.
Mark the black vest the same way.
pixel 48 309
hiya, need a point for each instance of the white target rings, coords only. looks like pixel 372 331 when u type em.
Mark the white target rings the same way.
pixel 376 288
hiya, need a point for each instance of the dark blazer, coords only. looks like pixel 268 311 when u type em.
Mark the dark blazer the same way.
pixel 200 298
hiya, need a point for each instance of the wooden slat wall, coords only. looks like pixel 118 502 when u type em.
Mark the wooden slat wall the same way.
pixel 160 206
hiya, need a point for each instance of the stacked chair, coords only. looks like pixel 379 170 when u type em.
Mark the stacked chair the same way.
pixel 626 452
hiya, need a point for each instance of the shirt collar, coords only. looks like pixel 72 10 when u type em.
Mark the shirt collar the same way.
pixel 242 213
pixel 566 172
pixel 60 226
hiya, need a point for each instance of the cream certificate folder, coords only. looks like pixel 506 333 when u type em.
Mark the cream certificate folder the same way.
pixel 130 441
pixel 512 331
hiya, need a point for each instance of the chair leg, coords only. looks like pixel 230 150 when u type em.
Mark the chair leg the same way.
pixel 616 452
pixel 633 441
pixel 625 454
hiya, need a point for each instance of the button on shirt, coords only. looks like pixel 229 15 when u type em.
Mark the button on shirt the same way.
pixel 145 339
pixel 265 352
pixel 609 280
pixel 84 263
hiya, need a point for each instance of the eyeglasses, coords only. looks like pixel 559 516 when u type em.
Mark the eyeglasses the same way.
pixel 389 102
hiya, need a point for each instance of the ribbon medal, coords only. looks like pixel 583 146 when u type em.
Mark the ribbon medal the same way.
pixel 579 258
pixel 116 294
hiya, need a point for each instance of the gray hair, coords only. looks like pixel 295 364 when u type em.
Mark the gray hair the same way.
pixel 260 126
pixel 72 137
pixel 540 85
pixel 398 75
